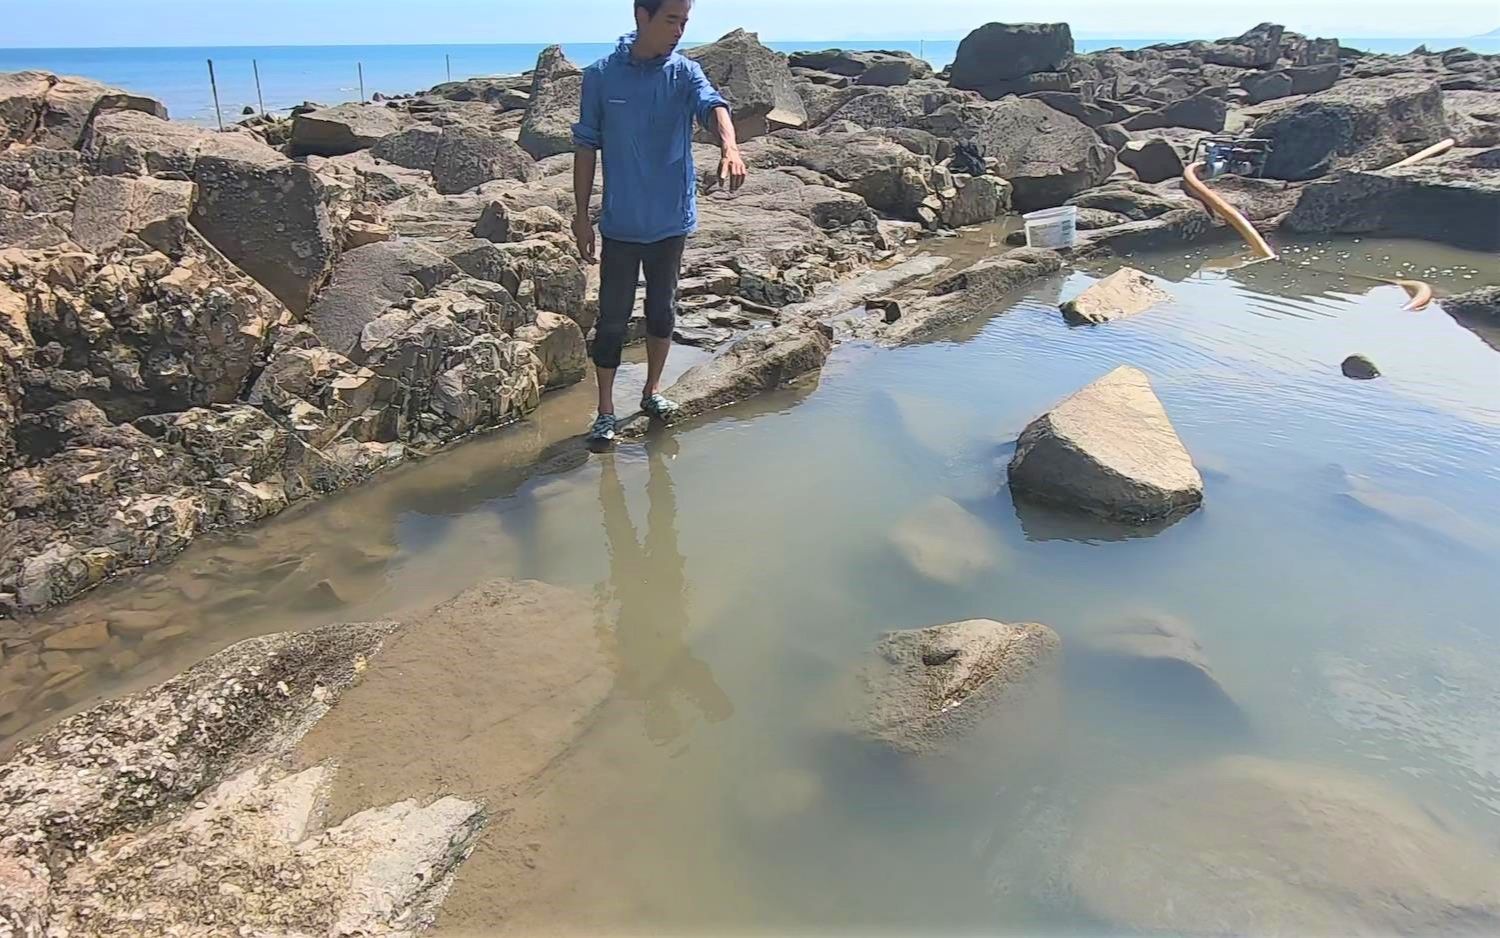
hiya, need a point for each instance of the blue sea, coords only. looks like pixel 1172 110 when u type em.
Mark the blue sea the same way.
pixel 289 75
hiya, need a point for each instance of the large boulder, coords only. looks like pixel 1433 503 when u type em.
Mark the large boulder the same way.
pixel 884 69
pixel 887 175
pixel 467 158
pixel 1312 79
pixel 368 281
pixel 997 53
pixel 1154 160
pixel 1072 104
pixel 460 156
pixel 268 214
pixel 1266 86
pixel 1258 48
pixel 46 110
pixel 1473 117
pixel 1281 837
pixel 925 687
pixel 1108 450
pixel 110 208
pixel 139 144
pixel 1202 111
pixel 889 108
pixel 342 129
pixel 1046 155
pixel 756 81
pixel 556 90
pixel 1357 124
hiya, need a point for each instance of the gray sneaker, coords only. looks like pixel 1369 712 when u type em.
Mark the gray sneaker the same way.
pixel 660 407
pixel 603 430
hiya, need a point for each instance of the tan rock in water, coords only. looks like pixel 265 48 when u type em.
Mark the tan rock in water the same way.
pixel 1125 292
pixel 944 542
pixel 1249 846
pixel 1109 450
pixel 925 685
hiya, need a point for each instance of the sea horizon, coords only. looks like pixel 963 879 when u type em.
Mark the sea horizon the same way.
pixel 330 74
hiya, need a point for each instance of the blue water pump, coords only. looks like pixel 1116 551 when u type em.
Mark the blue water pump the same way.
pixel 1239 156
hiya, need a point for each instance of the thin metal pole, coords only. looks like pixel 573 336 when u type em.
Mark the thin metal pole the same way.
pixel 361 82
pixel 449 60
pixel 214 84
pixel 258 96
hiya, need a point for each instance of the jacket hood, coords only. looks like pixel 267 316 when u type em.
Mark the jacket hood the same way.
pixel 622 53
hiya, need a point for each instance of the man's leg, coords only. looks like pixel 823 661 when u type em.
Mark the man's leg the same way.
pixel 663 265
pixel 619 272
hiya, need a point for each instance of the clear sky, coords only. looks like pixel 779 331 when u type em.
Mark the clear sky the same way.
pixel 331 22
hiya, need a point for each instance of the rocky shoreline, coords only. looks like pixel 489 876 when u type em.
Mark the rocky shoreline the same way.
pixel 204 328
pixel 201 329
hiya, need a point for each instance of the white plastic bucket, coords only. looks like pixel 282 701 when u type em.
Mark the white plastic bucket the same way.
pixel 1052 228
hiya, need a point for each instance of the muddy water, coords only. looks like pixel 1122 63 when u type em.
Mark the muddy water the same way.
pixel 1339 579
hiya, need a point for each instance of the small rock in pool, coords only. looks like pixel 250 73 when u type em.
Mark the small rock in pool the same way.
pixel 1360 368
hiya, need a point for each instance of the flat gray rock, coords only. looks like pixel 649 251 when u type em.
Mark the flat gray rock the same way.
pixel 1109 450
pixel 1123 293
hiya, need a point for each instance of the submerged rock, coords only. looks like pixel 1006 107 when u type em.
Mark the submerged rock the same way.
pixel 1159 658
pixel 945 543
pixel 1123 293
pixel 1109 450
pixel 928 685
pixel 1251 846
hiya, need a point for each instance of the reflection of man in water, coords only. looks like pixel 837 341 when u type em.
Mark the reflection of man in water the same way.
pixel 647 582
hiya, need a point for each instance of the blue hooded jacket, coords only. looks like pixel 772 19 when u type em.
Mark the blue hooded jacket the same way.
pixel 640 116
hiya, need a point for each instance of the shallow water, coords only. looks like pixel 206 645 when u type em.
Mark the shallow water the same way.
pixel 1339 578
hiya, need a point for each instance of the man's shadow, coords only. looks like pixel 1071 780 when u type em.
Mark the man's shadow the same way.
pixel 647 589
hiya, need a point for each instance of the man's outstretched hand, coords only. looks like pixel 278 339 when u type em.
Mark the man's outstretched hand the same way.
pixel 732 169
pixel 583 233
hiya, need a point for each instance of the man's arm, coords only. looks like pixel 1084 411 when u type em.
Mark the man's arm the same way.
pixel 588 137
pixel 731 166
pixel 585 160
pixel 714 114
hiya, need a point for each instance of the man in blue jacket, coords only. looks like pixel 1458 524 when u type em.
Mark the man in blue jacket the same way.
pixel 639 107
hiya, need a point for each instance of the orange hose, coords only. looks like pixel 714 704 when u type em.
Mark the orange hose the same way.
pixel 1420 292
pixel 1437 148
pixel 1228 212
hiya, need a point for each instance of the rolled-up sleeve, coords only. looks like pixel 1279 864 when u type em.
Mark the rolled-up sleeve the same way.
pixel 589 131
pixel 705 96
